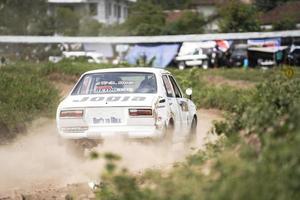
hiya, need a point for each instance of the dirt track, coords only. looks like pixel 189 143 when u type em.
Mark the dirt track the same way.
pixel 39 164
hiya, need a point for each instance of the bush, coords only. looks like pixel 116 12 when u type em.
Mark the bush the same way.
pixel 74 67
pixel 287 23
pixel 268 108
pixel 269 170
pixel 66 21
pixel 209 96
pixel 89 27
pixel 24 95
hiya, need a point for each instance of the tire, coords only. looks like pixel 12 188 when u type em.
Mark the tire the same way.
pixel 77 147
pixel 73 148
pixel 169 133
pixel 193 131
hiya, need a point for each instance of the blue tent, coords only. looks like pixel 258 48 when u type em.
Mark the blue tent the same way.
pixel 162 55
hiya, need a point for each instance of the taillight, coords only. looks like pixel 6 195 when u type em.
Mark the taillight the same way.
pixel 71 114
pixel 140 112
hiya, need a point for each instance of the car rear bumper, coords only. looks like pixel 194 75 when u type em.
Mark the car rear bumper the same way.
pixel 128 132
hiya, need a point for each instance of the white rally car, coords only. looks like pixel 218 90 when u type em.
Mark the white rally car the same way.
pixel 135 103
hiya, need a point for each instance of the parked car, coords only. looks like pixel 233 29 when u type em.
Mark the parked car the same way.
pixel 196 54
pixel 294 56
pixel 134 103
pixel 195 59
pixel 238 55
pixel 91 57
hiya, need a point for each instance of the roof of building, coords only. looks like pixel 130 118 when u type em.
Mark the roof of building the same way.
pixel 75 1
pixel 213 2
pixel 205 2
pixel 287 10
pixel 67 1
pixel 174 15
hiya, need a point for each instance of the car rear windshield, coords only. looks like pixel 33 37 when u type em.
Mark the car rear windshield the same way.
pixel 116 83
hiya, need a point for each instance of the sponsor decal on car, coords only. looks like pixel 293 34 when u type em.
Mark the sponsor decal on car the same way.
pixel 111 120
pixel 110 99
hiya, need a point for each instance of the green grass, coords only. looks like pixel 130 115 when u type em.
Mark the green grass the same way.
pixel 26 91
pixel 251 74
pixel 73 67
pixel 24 95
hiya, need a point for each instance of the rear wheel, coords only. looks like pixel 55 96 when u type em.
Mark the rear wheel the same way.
pixel 77 147
pixel 169 132
pixel 193 130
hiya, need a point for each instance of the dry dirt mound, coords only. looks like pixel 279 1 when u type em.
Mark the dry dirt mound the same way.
pixel 38 163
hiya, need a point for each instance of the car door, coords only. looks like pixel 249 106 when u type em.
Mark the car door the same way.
pixel 173 104
pixel 183 109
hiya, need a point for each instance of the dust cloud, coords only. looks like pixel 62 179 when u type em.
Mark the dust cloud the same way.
pixel 40 159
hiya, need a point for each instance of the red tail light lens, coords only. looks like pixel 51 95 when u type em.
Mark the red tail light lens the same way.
pixel 71 114
pixel 140 112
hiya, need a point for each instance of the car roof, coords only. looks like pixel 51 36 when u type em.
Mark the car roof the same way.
pixel 130 69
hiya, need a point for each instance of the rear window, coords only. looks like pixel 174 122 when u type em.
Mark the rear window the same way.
pixel 116 83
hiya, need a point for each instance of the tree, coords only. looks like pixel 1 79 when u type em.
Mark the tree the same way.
pixel 66 21
pixel 145 19
pixel 286 23
pixel 23 17
pixel 238 17
pixel 188 23
pixel 89 27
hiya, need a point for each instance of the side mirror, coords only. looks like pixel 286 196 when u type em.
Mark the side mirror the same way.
pixel 189 92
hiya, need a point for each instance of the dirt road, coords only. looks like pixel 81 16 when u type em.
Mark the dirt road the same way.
pixel 38 164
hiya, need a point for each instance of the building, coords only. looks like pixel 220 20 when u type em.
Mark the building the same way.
pixel 289 10
pixel 104 11
pixel 209 9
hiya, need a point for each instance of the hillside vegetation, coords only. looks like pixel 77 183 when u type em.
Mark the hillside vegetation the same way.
pixel 24 96
pixel 256 157
pixel 28 91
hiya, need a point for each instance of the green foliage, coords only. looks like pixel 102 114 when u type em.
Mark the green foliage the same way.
pixel 268 109
pixel 189 23
pixel 89 27
pixel 24 95
pixel 287 23
pixel 24 17
pixel 236 16
pixel 73 67
pixel 66 21
pixel 209 96
pixel 145 19
pixel 271 171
